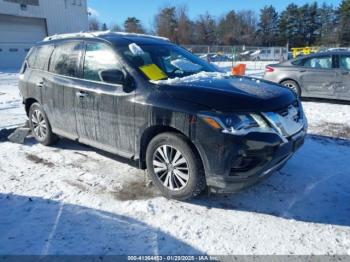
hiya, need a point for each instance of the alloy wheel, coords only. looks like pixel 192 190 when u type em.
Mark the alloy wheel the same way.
pixel 291 86
pixel 39 124
pixel 171 167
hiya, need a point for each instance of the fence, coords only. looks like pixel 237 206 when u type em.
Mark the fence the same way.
pixel 256 58
pixel 240 53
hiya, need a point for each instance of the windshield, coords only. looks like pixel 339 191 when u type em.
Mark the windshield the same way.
pixel 168 61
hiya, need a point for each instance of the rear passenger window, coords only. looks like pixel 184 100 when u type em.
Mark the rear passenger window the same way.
pixel 41 57
pixel 99 57
pixel 65 59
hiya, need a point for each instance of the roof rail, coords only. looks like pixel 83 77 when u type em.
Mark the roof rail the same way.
pixel 141 35
pixel 99 33
pixel 71 35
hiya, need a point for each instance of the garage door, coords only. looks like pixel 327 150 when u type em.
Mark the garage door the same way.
pixel 17 35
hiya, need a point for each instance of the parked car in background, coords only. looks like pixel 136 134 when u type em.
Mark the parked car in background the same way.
pixel 338 49
pixel 320 75
pixel 162 108
pixel 270 54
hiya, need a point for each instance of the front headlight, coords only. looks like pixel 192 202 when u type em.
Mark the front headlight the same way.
pixel 239 124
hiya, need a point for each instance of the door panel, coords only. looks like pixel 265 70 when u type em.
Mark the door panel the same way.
pixel 342 87
pixel 62 82
pixel 105 113
pixel 105 117
pixel 60 102
pixel 317 76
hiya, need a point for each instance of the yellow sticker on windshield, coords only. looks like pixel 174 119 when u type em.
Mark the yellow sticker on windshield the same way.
pixel 153 72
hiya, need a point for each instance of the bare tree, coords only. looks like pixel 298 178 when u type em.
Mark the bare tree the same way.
pixel 185 26
pixel 166 23
pixel 205 30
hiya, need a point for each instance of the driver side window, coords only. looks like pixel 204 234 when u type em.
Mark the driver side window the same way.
pixel 99 60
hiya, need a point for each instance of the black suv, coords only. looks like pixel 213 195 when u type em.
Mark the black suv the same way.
pixel 163 108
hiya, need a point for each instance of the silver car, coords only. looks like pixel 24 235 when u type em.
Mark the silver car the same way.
pixel 320 75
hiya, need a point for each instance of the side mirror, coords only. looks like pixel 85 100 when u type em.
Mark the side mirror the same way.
pixel 113 76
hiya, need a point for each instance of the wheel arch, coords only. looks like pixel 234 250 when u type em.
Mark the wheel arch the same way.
pixel 152 132
pixel 28 103
pixel 291 79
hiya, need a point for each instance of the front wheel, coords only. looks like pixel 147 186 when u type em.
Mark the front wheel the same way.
pixel 40 125
pixel 174 167
pixel 292 85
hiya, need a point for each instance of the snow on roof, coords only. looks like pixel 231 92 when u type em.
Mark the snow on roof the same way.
pixel 100 33
pixel 142 35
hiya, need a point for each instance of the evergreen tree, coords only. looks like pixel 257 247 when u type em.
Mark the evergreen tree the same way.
pixel 310 23
pixel 268 26
pixel 344 23
pixel 104 27
pixel 133 25
pixel 289 26
pixel 328 23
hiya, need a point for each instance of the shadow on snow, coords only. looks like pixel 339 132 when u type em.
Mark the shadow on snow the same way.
pixel 36 226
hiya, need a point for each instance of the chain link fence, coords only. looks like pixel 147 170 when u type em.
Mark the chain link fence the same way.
pixel 256 58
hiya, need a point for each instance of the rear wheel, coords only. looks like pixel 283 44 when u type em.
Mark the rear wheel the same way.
pixel 40 125
pixel 174 167
pixel 292 85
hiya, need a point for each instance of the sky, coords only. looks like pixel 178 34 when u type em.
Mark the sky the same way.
pixel 116 11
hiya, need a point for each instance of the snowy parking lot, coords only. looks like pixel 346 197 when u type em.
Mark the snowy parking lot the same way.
pixel 72 199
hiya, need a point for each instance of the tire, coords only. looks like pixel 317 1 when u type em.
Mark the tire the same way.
pixel 40 126
pixel 292 85
pixel 180 174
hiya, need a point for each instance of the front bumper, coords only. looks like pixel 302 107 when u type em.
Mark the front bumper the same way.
pixel 266 153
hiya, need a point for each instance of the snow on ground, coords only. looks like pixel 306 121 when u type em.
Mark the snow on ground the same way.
pixel 11 109
pixel 253 68
pixel 72 199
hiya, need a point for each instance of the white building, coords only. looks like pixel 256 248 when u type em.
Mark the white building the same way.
pixel 25 22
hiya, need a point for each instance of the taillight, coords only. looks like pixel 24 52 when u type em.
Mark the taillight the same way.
pixel 269 69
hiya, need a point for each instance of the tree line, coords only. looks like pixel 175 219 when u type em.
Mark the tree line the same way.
pixel 306 25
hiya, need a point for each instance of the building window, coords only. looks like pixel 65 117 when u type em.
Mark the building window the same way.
pixel 24 7
pixel 13 50
pixel 0 50
pixel 26 50
pixel 24 2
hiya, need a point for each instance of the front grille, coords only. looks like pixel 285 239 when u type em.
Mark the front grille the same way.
pixel 287 121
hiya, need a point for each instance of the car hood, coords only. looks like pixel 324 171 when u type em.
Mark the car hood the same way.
pixel 229 93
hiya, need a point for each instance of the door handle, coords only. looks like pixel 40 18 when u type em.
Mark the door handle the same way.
pixel 40 84
pixel 345 73
pixel 302 71
pixel 81 94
